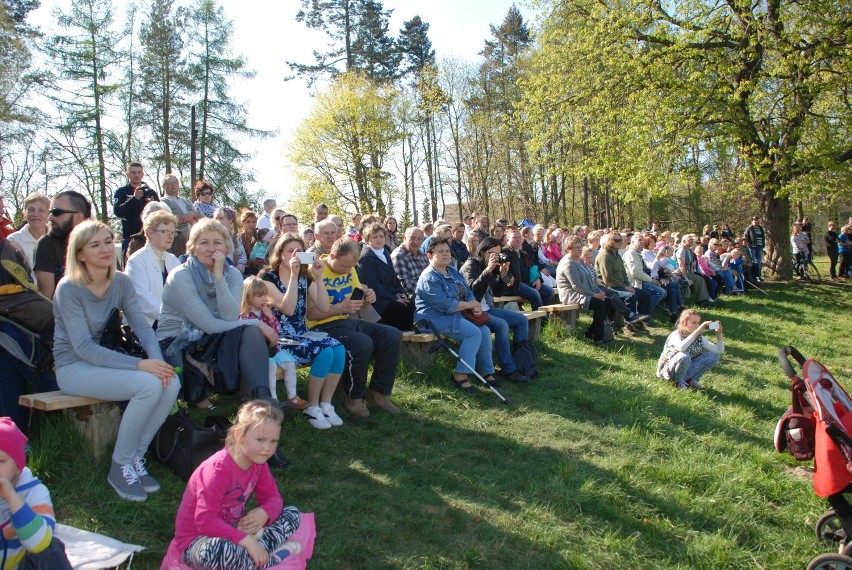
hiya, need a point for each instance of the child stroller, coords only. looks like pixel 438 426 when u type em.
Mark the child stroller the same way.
pixel 817 426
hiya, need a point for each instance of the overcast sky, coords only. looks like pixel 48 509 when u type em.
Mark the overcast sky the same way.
pixel 267 34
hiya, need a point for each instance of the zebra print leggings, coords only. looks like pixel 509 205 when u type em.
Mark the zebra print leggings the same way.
pixel 214 553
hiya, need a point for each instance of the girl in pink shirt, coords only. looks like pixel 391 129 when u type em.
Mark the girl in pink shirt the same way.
pixel 213 531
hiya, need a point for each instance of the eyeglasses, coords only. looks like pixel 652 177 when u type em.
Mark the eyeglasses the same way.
pixel 205 193
pixel 171 233
pixel 278 218
pixel 56 212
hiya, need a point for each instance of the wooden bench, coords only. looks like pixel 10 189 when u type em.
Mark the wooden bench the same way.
pixel 97 420
pixel 415 349
pixel 534 318
pixel 567 314
pixel 505 299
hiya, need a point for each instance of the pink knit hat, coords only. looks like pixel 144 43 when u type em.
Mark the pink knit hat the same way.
pixel 13 441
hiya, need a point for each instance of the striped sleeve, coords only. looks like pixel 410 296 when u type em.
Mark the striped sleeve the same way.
pixel 34 529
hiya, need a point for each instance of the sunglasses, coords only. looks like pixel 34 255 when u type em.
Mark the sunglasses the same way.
pixel 56 212
pixel 205 193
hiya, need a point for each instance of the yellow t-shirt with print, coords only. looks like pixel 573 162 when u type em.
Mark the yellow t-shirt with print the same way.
pixel 339 288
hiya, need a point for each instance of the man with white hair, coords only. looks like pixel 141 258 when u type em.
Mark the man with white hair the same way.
pixel 182 209
pixel 326 234
pixel 635 267
pixel 408 261
pixel 264 222
pixel 688 264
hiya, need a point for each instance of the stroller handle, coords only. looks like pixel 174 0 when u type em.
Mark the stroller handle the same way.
pixel 783 358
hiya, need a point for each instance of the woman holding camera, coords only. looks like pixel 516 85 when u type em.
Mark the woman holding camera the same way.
pixel 687 355
pixel 292 285
pixel 487 273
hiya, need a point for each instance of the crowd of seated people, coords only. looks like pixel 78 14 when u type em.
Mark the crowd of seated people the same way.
pixel 347 307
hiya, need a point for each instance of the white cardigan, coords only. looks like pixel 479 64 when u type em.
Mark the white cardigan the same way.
pixel 144 271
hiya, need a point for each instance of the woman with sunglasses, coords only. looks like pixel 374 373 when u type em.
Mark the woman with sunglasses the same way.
pixel 204 198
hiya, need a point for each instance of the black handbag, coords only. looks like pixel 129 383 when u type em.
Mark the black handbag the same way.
pixel 120 338
pixel 182 446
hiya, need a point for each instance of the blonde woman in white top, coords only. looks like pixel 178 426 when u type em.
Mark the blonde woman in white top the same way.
pixel 148 267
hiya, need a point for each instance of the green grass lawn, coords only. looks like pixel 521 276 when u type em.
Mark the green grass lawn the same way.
pixel 595 464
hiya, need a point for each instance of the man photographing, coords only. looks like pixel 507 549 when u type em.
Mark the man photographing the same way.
pixel 129 201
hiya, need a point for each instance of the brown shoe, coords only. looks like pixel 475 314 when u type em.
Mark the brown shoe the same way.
pixel 355 407
pixel 382 402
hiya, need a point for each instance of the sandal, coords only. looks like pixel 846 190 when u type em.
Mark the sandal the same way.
pixel 460 384
pixel 492 381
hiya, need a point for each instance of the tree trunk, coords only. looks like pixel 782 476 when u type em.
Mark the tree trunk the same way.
pixel 775 218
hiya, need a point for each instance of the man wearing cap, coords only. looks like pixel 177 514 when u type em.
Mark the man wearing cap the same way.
pixel 756 241
pixel 468 226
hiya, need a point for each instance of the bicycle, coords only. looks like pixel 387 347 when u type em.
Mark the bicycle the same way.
pixel 806 269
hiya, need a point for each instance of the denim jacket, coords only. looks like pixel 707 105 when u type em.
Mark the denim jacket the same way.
pixel 437 297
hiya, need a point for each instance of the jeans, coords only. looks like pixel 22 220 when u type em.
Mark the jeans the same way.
pixel 500 323
pixel 682 367
pixel 149 405
pixel 51 558
pixel 657 294
pixel 643 299
pixel 475 348
pixel 757 259
pixel 675 297
pixel 537 298
pixel 727 280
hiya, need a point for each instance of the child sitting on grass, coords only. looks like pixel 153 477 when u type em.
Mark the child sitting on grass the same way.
pixel 213 529
pixel 256 306
pixel 26 512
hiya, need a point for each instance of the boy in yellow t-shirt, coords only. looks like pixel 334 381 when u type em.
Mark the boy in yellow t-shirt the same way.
pixel 363 340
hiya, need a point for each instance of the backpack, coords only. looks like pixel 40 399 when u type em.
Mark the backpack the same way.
pixel 525 355
pixel 23 305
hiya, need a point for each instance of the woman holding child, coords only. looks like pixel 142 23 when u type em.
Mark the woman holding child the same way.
pixel 292 285
pixel 86 298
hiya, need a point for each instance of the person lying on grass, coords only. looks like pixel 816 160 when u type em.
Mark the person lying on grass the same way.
pixel 687 355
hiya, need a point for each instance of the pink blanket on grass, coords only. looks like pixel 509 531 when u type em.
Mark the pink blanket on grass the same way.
pixel 305 535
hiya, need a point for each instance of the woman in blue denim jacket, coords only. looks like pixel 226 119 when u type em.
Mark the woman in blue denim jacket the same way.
pixel 441 295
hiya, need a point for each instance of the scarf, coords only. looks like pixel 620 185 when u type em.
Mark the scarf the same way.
pixel 206 288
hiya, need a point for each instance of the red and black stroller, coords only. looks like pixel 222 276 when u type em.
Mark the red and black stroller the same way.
pixel 817 426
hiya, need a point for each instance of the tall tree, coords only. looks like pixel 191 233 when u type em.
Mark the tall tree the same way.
pixel 212 65
pixel 375 52
pixel 765 77
pixel 338 19
pixel 342 146
pixel 165 82
pixel 85 55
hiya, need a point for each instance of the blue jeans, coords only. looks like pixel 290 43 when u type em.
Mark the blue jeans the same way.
pixel 657 294
pixel 15 377
pixel 475 348
pixel 501 321
pixel 543 296
pixel 727 280
pixel 757 259
pixel 675 296
pixel 642 298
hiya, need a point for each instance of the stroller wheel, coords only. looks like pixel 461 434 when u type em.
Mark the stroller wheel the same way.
pixel 831 562
pixel 829 529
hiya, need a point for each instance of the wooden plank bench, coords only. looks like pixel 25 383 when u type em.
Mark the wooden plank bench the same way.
pixel 96 419
pixel 567 314
pixel 415 349
pixel 499 302
pixel 535 319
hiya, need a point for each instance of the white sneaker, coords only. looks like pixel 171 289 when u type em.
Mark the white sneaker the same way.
pixel 330 415
pixel 316 417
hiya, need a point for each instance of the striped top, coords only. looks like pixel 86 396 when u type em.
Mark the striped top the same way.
pixel 31 528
